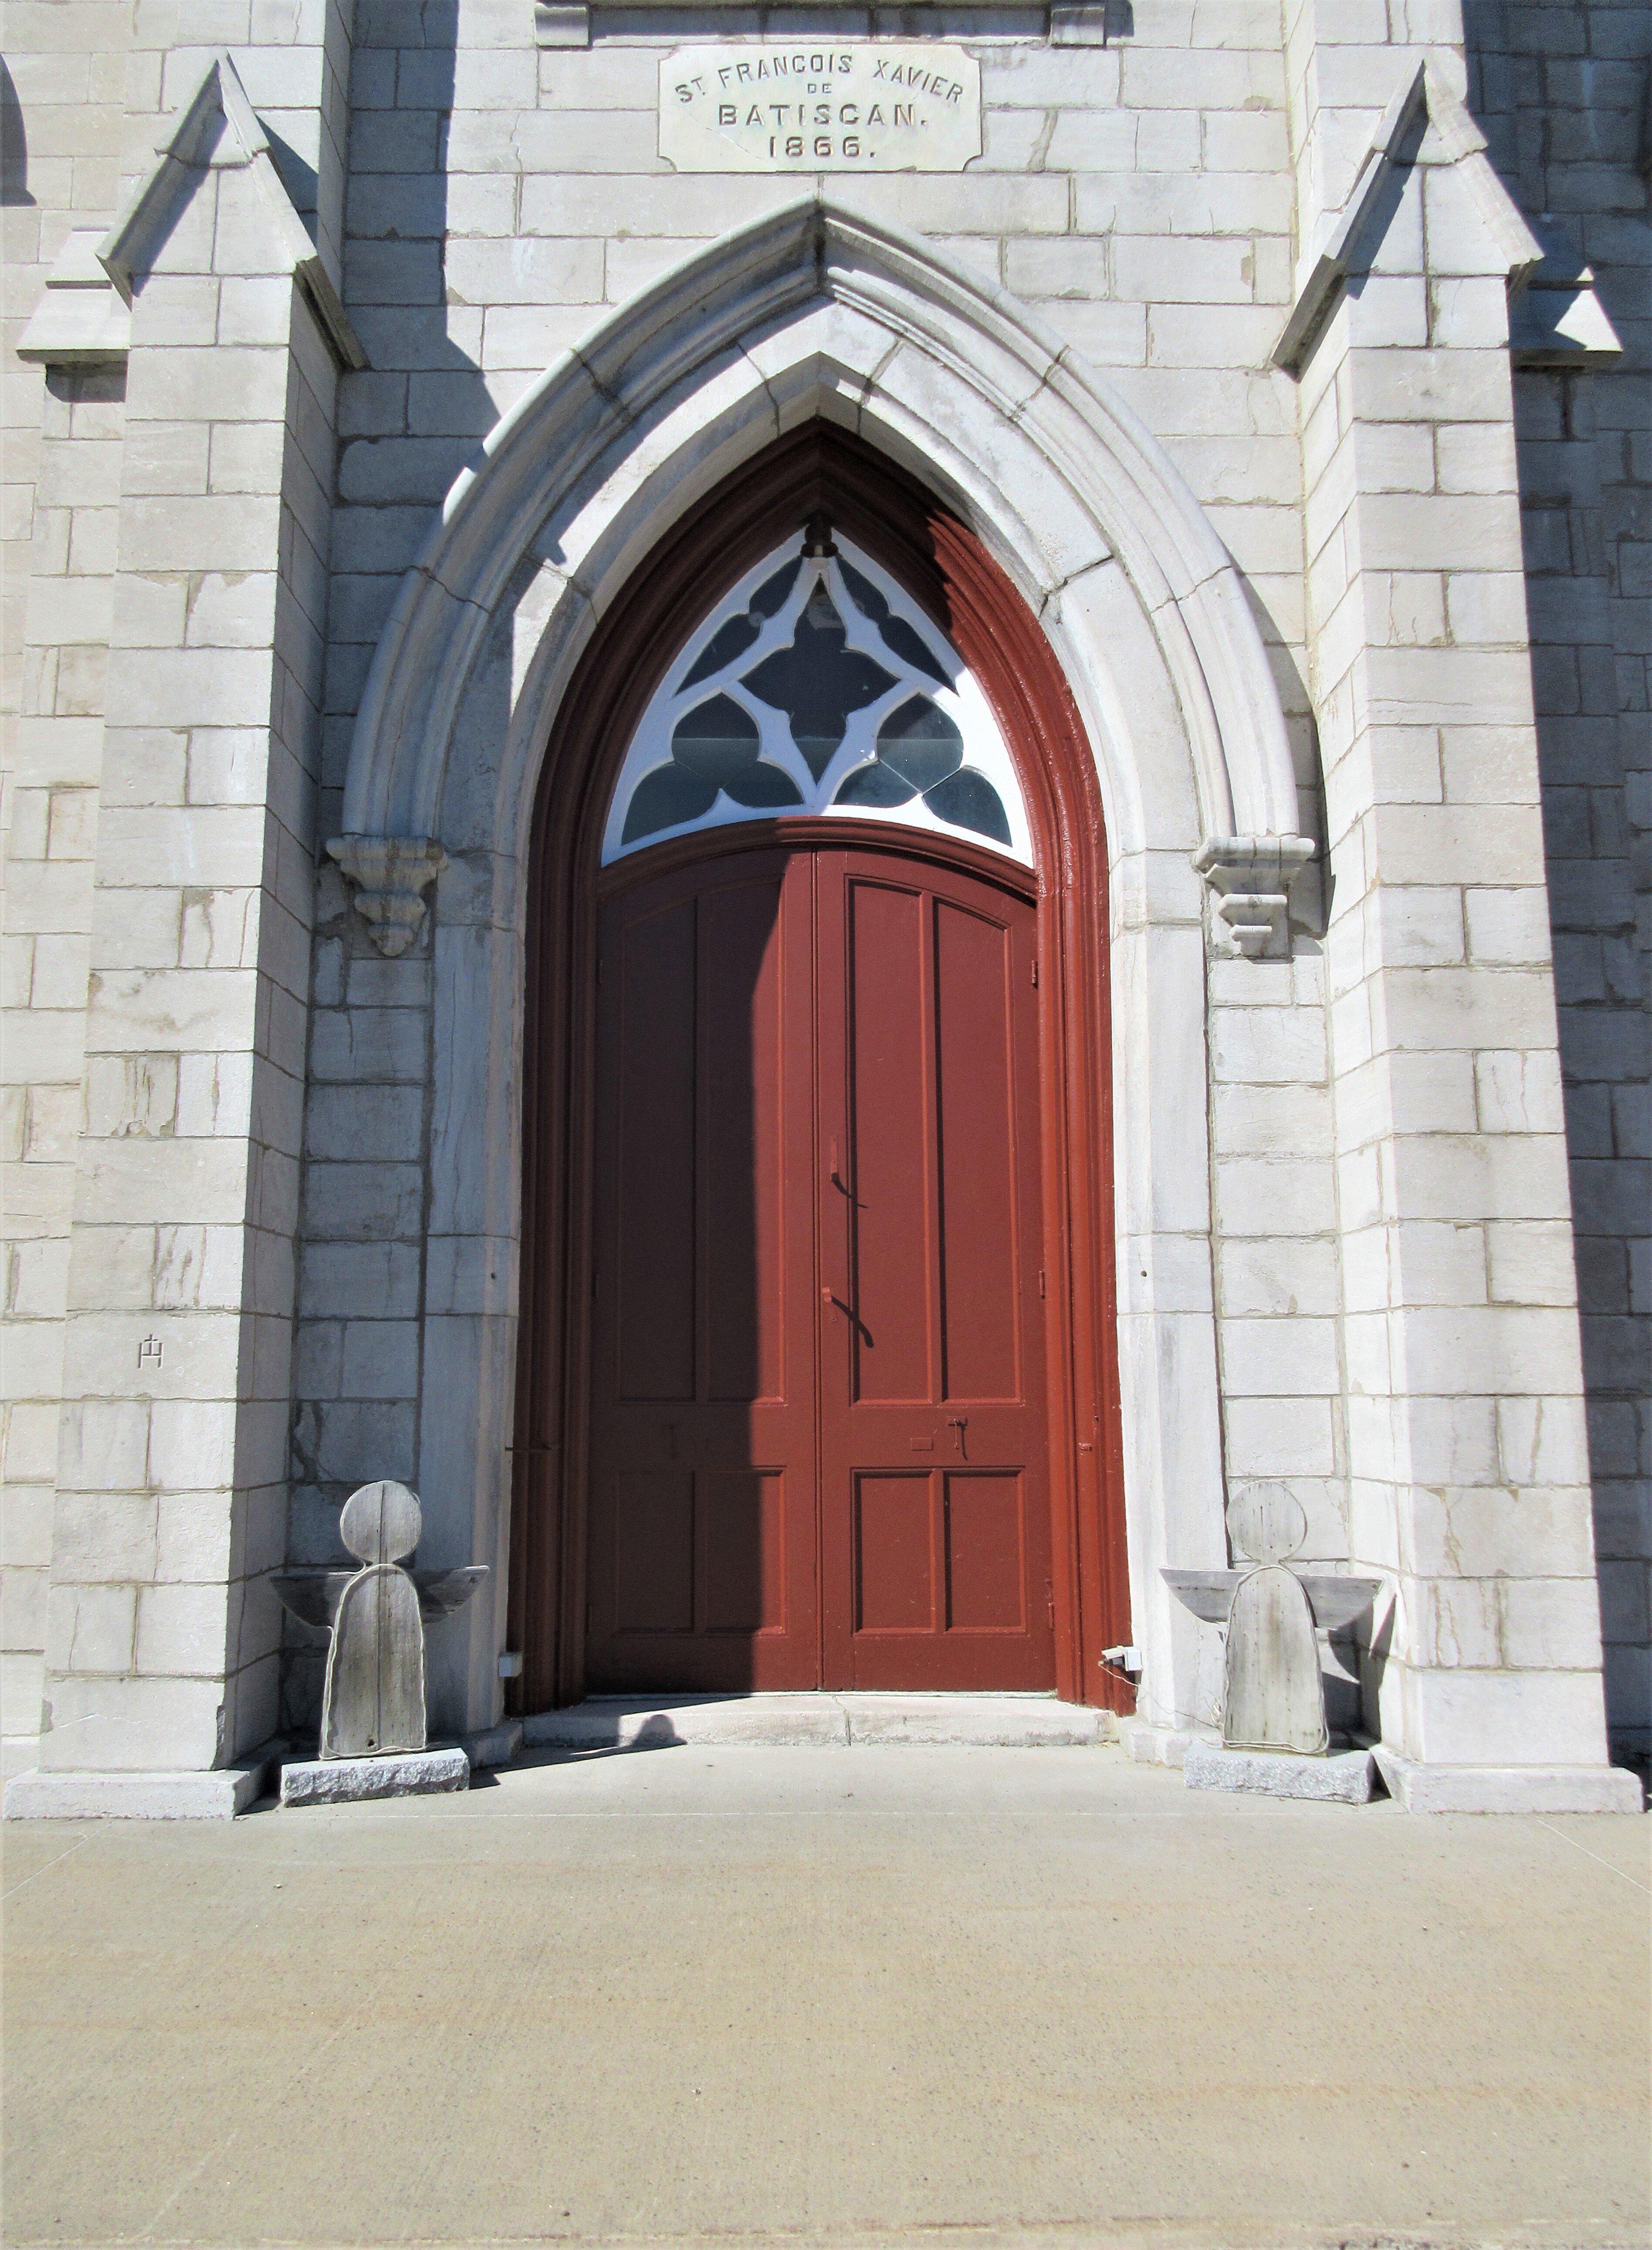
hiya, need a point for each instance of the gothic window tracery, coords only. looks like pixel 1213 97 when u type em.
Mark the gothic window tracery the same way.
pixel 817 686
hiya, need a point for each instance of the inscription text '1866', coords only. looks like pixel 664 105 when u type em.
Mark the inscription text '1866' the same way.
pixel 860 106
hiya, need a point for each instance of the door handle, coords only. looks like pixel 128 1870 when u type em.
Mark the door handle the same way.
pixel 828 1297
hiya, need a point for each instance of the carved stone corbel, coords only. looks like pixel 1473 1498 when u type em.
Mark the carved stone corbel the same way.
pixel 389 875
pixel 1251 879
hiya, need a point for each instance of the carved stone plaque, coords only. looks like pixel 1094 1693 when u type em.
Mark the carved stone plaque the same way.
pixel 857 106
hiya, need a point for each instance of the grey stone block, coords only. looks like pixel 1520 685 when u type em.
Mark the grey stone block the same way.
pixel 1422 1788
pixel 493 1746
pixel 219 1794
pixel 1344 1778
pixel 786 1721
pixel 350 1781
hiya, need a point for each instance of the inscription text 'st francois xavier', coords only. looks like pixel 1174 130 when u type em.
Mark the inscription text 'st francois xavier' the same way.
pixel 858 106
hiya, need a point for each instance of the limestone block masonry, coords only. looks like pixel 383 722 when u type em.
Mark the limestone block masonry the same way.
pixel 1295 372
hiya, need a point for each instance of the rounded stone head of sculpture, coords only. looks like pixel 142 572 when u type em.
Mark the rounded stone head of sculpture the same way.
pixel 1268 1527
pixel 380 1521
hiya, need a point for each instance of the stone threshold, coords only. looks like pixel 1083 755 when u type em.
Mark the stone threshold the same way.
pixel 831 1720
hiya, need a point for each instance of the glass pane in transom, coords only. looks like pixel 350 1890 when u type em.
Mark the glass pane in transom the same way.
pixel 818 687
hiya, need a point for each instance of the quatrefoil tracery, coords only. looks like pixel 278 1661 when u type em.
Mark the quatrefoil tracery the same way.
pixel 817 686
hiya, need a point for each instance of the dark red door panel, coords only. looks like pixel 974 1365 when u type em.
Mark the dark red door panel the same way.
pixel 702 1569
pixel 934 1479
pixel 819 1446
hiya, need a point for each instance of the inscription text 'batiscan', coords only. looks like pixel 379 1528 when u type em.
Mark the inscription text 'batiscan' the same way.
pixel 860 106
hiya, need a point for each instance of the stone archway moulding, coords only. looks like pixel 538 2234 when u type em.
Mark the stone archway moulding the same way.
pixel 807 311
pixel 818 313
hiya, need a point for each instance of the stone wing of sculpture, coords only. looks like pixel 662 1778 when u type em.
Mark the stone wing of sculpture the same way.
pixel 312 1595
pixel 441 1592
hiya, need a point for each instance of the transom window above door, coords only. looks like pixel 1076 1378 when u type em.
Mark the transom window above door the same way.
pixel 818 686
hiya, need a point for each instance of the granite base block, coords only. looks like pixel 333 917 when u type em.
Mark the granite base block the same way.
pixel 1148 1745
pixel 1346 1777
pixel 398 1773
pixel 218 1794
pixel 1423 1788
pixel 491 1746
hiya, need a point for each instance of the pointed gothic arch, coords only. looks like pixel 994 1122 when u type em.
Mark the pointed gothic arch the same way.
pixel 815 315
pixel 810 311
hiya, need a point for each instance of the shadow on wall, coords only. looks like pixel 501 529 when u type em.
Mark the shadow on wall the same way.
pixel 1562 97
pixel 14 145
pixel 408 423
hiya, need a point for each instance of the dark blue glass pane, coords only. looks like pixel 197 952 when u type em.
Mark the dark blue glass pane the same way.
pixel 716 741
pixel 771 595
pixel 818 681
pixel 875 785
pixel 762 785
pixel 896 631
pixel 730 641
pixel 967 799
pixel 920 742
pixel 665 799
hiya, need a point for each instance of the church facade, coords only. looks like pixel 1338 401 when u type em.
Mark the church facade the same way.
pixel 847 813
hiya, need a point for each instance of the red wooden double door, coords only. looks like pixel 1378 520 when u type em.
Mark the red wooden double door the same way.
pixel 819 1424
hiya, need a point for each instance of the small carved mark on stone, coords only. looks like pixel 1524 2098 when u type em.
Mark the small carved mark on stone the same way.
pixel 149 1351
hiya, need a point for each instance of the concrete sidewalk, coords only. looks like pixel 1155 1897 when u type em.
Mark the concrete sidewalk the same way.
pixel 837 1996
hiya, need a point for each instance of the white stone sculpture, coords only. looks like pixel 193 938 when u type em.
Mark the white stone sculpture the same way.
pixel 372 1706
pixel 1274 1696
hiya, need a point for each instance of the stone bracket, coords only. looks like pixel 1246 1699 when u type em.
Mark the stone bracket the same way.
pixel 389 875
pixel 1250 878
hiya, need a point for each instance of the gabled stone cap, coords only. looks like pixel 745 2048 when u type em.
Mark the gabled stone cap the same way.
pixel 183 149
pixel 1423 100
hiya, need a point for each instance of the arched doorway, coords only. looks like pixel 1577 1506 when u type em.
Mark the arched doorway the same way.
pixel 766 1433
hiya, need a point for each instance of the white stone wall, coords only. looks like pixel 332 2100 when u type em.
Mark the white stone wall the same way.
pixel 251 1116
pixel 1562 93
pixel 1470 1471
pixel 60 460
pixel 51 844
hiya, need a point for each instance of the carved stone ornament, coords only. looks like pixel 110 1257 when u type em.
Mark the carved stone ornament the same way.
pixel 389 875
pixel 1251 878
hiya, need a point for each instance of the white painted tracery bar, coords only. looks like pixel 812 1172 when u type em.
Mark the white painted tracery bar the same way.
pixel 818 686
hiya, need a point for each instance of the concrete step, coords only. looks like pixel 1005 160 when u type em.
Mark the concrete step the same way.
pixel 986 1722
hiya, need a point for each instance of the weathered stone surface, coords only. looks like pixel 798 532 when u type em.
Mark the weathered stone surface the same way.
pixel 373 1698
pixel 781 1721
pixel 1345 1777
pixel 217 1795
pixel 352 1781
pixel 1423 1788
pixel 493 1746
pixel 1272 1696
